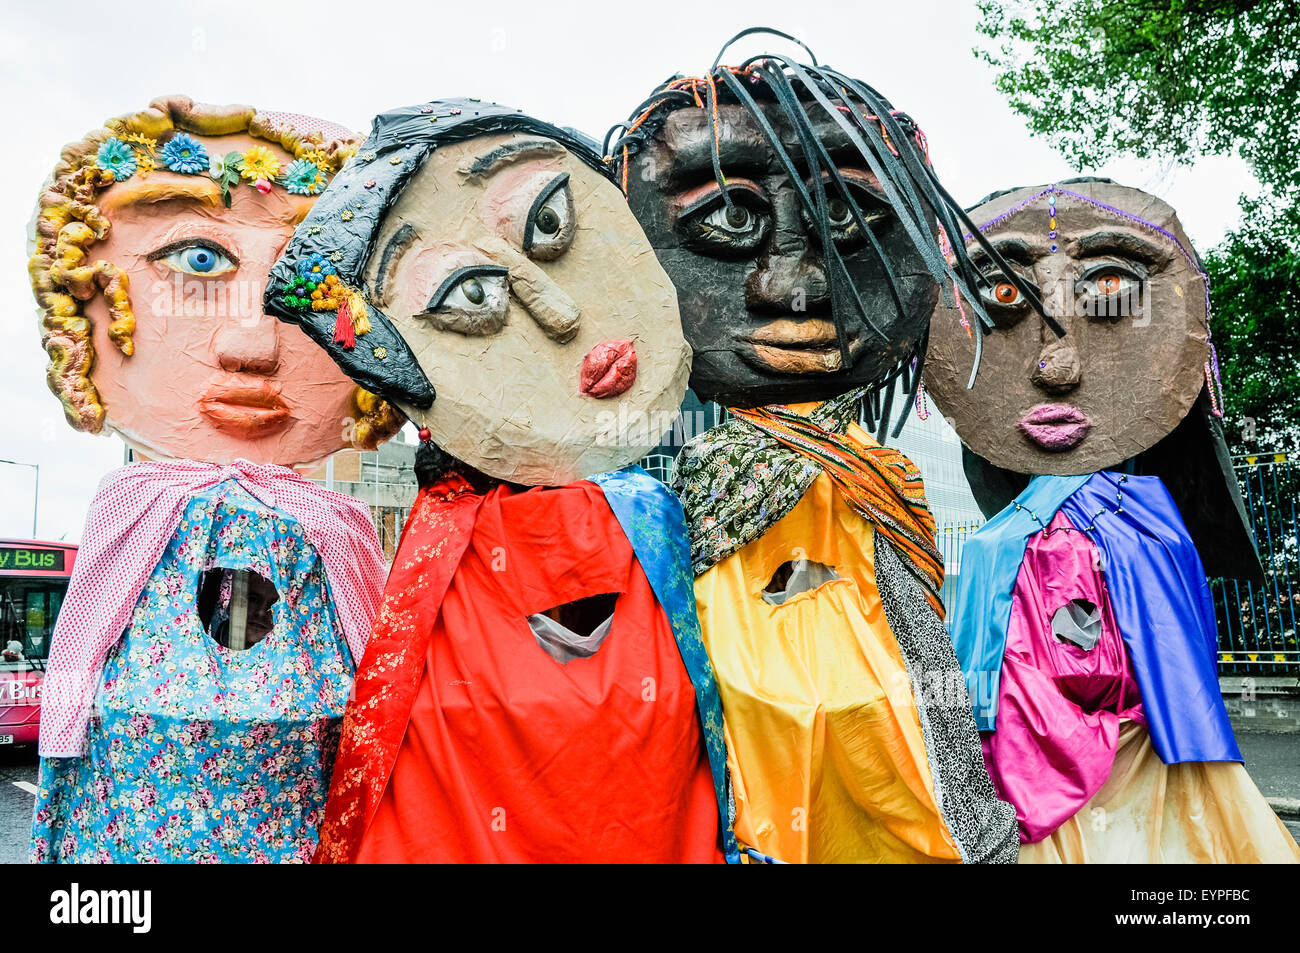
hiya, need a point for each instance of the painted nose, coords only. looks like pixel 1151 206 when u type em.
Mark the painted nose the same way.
pixel 250 344
pixel 784 284
pixel 1059 369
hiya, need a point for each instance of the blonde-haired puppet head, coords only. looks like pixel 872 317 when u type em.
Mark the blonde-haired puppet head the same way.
pixel 153 239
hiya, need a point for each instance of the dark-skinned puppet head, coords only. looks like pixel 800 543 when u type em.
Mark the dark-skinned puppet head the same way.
pixel 1132 385
pixel 481 270
pixel 798 215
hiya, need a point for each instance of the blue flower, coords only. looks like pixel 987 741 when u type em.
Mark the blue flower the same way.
pixel 303 178
pixel 184 154
pixel 116 156
pixel 315 267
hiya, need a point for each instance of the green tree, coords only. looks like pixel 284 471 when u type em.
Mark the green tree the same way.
pixel 1155 78
pixel 1255 293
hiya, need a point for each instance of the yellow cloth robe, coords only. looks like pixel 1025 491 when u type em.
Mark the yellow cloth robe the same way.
pixel 1196 812
pixel 824 740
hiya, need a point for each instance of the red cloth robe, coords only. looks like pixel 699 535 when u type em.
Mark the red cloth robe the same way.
pixel 467 742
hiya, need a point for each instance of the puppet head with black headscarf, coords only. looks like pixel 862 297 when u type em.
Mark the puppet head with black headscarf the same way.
pixel 798 215
pixel 480 255
pixel 1132 385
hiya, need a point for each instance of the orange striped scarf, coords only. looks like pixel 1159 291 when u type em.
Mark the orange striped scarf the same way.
pixel 880 483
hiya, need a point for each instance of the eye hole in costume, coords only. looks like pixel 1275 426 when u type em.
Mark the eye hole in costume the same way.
pixel 196 257
pixel 551 221
pixel 473 301
pixel 575 629
pixel 1078 622
pixel 845 231
pixel 709 227
pixel 236 607
pixel 793 578
pixel 1109 290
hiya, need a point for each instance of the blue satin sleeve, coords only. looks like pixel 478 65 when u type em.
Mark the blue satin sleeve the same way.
pixel 1158 591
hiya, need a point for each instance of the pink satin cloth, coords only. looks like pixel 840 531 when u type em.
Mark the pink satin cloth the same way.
pixel 132 518
pixel 1059 706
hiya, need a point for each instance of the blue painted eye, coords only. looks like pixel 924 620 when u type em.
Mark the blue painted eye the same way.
pixel 199 260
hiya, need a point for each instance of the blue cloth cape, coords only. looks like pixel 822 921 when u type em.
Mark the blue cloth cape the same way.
pixel 1157 589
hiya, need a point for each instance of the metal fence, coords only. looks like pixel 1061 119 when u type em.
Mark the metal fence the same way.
pixel 1257 622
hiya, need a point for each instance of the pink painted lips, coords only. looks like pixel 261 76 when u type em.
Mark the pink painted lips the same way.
pixel 608 369
pixel 1055 427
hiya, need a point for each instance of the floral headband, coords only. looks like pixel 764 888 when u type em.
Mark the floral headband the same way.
pixel 135 153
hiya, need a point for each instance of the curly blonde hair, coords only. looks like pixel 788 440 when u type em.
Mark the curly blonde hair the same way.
pixel 68 223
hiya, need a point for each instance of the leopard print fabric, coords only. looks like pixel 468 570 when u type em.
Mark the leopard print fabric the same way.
pixel 983 827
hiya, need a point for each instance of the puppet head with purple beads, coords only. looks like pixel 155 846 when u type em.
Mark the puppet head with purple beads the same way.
pixel 1131 385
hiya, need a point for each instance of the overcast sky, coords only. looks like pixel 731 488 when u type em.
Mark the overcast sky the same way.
pixel 66 67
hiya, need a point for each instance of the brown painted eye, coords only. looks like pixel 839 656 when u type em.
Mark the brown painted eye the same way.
pixel 727 224
pixel 1109 284
pixel 1006 293
pixel 737 216
pixel 551 222
pixel 547 221
pixel 474 301
pixel 472 288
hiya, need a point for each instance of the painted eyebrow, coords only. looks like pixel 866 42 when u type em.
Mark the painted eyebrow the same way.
pixel 400 241
pixel 1122 244
pixel 1012 249
pixel 736 151
pixel 204 193
pixel 488 163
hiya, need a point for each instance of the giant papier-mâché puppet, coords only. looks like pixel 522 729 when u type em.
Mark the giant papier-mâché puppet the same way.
pixel 1084 622
pixel 798 216
pixel 205 649
pixel 536 688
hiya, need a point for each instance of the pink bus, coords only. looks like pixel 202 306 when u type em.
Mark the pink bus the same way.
pixel 33 578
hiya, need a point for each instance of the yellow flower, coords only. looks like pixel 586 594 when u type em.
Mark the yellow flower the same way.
pixel 141 139
pixel 259 163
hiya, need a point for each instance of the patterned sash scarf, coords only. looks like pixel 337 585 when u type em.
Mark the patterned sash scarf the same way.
pixel 878 482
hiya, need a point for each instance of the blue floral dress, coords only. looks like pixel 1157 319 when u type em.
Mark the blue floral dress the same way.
pixel 196 753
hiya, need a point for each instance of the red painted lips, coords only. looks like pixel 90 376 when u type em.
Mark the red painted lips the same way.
pixel 1056 427
pixel 608 369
